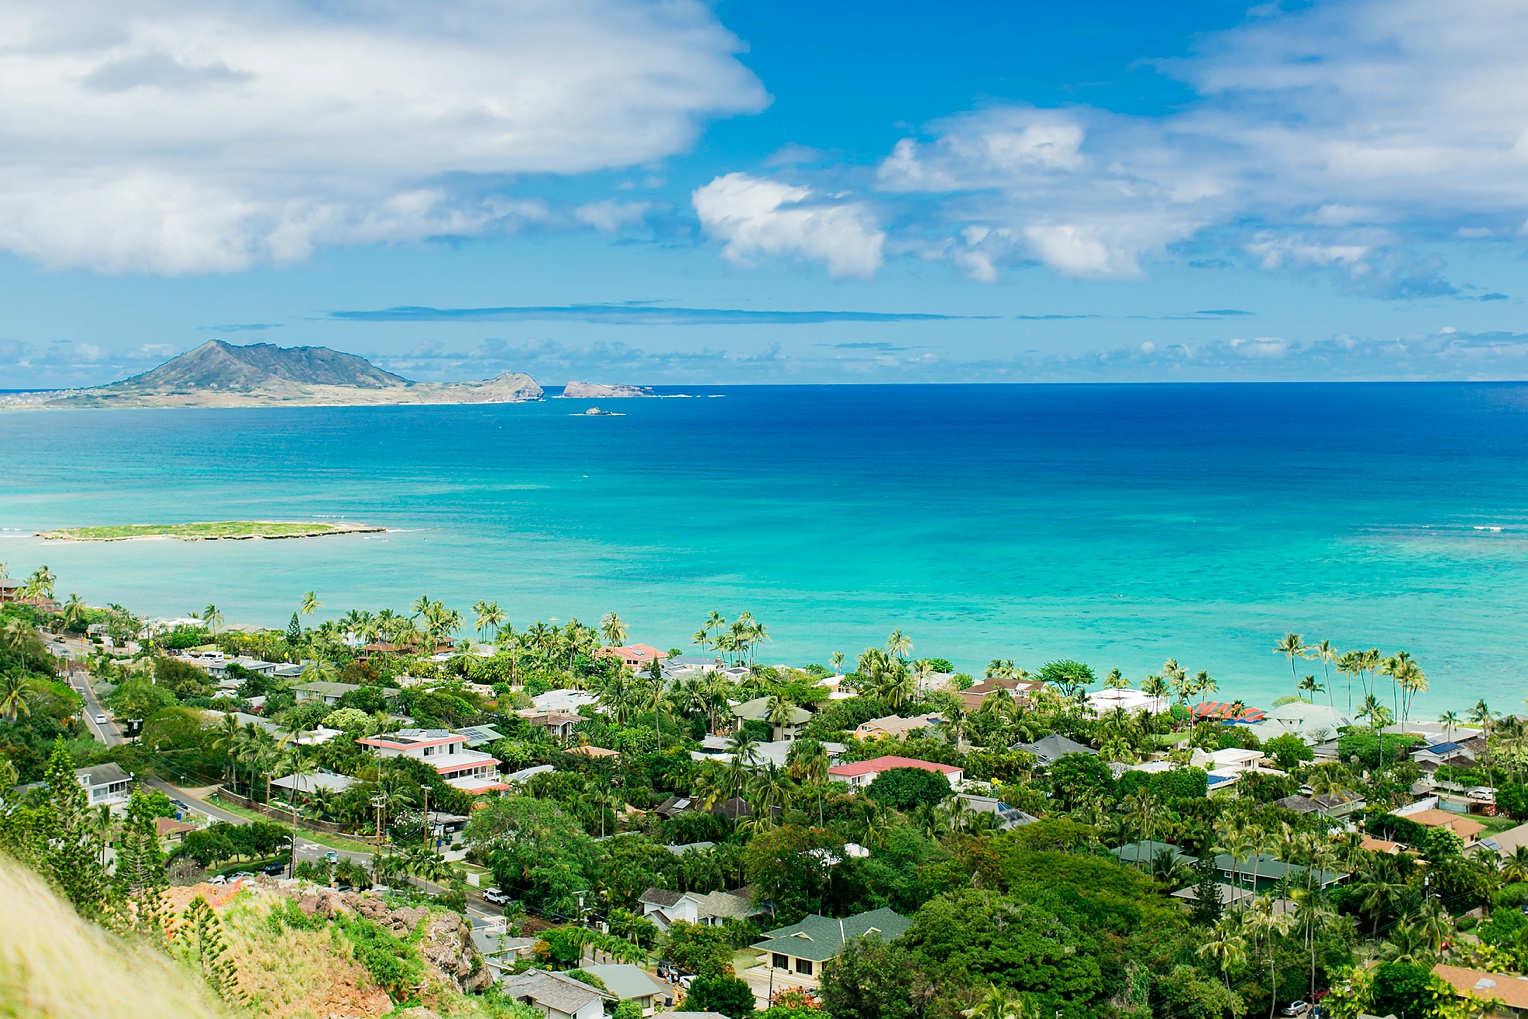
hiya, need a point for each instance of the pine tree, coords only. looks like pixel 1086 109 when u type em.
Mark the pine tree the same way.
pixel 71 861
pixel 294 631
pixel 1207 905
pixel 140 874
pixel 201 933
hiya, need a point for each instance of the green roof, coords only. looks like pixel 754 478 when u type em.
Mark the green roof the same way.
pixel 1147 852
pixel 1268 868
pixel 757 710
pixel 820 937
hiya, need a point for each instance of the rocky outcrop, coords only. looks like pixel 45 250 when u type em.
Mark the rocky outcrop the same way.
pixel 445 942
pixel 602 391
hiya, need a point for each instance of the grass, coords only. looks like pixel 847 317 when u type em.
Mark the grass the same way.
pixel 213 530
pixel 323 838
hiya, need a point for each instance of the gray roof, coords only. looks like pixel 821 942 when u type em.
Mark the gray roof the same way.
pixel 553 989
pixel 820 937
pixel 477 735
pixel 324 779
pixel 726 904
pixel 625 980
pixel 101 774
pixel 327 688
pixel 1147 852
pixel 757 710
pixel 1054 747
pixel 660 897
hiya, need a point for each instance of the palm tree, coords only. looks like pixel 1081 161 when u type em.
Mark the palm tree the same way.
pixel 1450 721
pixel 1001 1003
pixel 489 617
pixel 1482 715
pixel 836 662
pixel 613 629
pixel 40 583
pixel 309 605
pixel 1154 686
pixel 1327 653
pixel 1115 680
pixel 18 635
pixel 74 610
pixel 212 617
pixel 15 695
pixel 1514 868
pixel 899 644
pixel 1226 946
pixel 318 670
pixel 1310 686
pixel 1292 646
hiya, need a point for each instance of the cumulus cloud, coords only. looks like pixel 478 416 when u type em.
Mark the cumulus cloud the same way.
pixel 1330 137
pixel 759 217
pixel 174 137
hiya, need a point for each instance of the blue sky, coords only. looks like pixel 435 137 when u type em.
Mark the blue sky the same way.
pixel 769 192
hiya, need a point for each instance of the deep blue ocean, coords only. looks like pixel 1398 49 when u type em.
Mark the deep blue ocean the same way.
pixel 1119 524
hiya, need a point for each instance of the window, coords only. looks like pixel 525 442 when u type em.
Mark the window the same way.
pixel 804 967
pixel 780 962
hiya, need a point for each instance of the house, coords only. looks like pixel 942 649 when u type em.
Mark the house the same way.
pixel 217 668
pixel 1227 712
pixel 1314 723
pixel 500 952
pixel 757 710
pixel 307 785
pixel 895 726
pixel 558 724
pixel 556 995
pixel 1506 843
pixel 1052 748
pixel 1107 700
pixel 1374 845
pixel 664 907
pixel 798 951
pixel 861 773
pixel 1263 872
pixel 564 700
pixel 686 665
pixel 1505 996
pixel 171 830
pixel 469 770
pixel 636 657
pixel 106 785
pixel 10 590
pixel 319 690
pixel 1327 804
pixel 1007 816
pixel 1229 895
pixel 1020 690
pixel 630 983
pixel 1457 755
pixel 1228 761
pixel 589 751
pixel 1468 829
pixel 776 752
pixel 1146 853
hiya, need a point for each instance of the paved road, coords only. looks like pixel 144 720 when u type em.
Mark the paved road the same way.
pixel 307 850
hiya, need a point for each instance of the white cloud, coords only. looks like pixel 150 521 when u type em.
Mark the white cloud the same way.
pixel 611 216
pixel 758 217
pixel 173 136
pixel 1350 129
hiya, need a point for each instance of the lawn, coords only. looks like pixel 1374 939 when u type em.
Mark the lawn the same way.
pixel 323 838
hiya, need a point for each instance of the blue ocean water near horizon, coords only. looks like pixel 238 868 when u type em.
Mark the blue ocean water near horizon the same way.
pixel 1116 524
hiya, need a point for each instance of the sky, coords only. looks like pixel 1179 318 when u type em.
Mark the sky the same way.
pixel 784 192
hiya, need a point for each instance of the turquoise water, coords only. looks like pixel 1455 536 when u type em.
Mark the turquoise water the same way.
pixel 1116 524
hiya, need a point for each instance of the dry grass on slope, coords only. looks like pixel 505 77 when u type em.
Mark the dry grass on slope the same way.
pixel 54 964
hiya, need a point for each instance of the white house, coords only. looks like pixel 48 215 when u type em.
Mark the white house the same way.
pixel 564 700
pixel 469 770
pixel 861 773
pixel 1101 702
pixel 664 907
pixel 107 785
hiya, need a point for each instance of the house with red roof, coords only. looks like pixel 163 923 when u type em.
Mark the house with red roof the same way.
pixel 861 773
pixel 634 656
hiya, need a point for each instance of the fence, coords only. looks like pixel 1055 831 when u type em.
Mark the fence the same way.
pixel 284 816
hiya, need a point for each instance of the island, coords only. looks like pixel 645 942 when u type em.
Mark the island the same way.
pixel 221 374
pixel 221 530
pixel 602 391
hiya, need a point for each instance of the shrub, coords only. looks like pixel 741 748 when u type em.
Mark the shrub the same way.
pixel 906 788
pixel 725 994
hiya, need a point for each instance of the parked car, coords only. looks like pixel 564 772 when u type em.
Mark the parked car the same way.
pixel 686 980
pixel 1296 1008
pixel 1482 792
pixel 495 896
pixel 217 879
pixel 273 868
pixel 241 874
pixel 179 805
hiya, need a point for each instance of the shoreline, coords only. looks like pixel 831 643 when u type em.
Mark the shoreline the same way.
pixel 328 530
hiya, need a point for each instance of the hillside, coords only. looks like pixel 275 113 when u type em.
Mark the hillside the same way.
pixel 220 374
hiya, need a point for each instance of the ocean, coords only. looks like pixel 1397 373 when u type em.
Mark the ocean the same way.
pixel 1116 524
